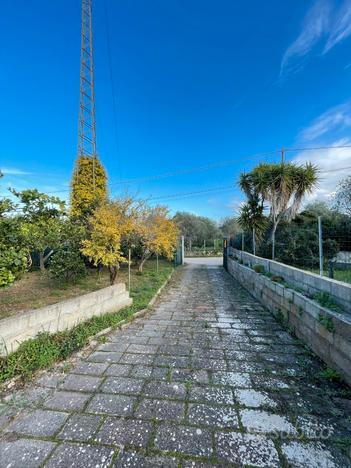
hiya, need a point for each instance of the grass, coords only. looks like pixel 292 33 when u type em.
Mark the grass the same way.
pixel 45 349
pixel 37 290
pixel 339 275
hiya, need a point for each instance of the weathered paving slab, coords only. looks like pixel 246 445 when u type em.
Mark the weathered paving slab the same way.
pixel 208 378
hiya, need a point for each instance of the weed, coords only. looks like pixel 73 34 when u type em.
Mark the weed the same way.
pixel 325 300
pixel 277 279
pixel 327 322
pixel 329 374
pixel 258 268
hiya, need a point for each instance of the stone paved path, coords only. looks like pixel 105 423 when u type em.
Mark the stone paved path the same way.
pixel 209 378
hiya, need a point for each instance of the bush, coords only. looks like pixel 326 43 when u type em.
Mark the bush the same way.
pixel 258 268
pixel 67 266
pixel 13 264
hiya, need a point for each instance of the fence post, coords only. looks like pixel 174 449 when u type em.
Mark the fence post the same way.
pixel 225 253
pixel 129 262
pixel 242 241
pixel 182 262
pixel 320 242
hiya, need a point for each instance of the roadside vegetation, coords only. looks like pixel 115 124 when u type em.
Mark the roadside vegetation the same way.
pixel 46 349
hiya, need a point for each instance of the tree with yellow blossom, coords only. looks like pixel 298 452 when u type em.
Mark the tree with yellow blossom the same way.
pixel 109 224
pixel 158 234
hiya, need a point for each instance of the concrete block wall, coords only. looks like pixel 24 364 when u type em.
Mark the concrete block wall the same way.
pixel 60 316
pixel 301 314
pixel 310 283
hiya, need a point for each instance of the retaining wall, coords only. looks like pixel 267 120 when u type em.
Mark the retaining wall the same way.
pixel 60 316
pixel 307 281
pixel 301 313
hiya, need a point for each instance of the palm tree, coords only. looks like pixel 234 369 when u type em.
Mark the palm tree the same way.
pixel 251 217
pixel 283 186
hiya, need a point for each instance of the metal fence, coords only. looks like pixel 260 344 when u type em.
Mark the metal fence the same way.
pixel 318 245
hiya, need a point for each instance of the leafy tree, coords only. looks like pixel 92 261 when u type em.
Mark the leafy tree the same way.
pixel 88 187
pixel 196 230
pixel 158 234
pixel 13 262
pixel 108 224
pixel 67 266
pixel 230 227
pixel 342 200
pixel 283 186
pixel 40 222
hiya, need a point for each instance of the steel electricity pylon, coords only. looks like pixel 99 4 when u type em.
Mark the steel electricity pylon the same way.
pixel 87 122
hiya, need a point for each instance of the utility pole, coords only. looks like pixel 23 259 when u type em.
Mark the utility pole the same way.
pixel 283 155
pixel 87 120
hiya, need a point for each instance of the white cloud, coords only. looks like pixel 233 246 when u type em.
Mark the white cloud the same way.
pixel 341 26
pixel 315 25
pixel 330 163
pixel 13 171
pixel 337 118
pixel 323 22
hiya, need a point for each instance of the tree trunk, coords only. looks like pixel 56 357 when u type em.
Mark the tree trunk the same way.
pixel 41 262
pixel 273 241
pixel 113 274
pixel 141 264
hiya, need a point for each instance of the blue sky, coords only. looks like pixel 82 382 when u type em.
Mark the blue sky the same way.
pixel 197 83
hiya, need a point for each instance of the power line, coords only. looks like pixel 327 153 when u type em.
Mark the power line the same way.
pixel 207 167
pixel 196 192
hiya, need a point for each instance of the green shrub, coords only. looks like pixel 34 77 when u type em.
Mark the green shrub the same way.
pixel 258 268
pixel 13 264
pixel 329 374
pixel 67 266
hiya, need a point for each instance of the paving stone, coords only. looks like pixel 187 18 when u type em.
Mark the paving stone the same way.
pixel 125 385
pixel 165 390
pixel 310 455
pixel 234 379
pixel 142 349
pixel 90 368
pixel 190 375
pixel 211 394
pixel 254 399
pixel 80 427
pixel 218 416
pixel 131 432
pixel 129 358
pixel 141 372
pixel 81 383
pixel 119 370
pixel 87 456
pixel 246 449
pixel 101 356
pixel 269 423
pixel 24 453
pixel 69 401
pixel 172 361
pixel 185 440
pixel 50 380
pixel 161 410
pixel 136 460
pixel 38 423
pixel 119 405
pixel 115 347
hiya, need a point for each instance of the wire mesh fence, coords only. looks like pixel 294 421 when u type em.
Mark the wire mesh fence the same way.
pixel 319 244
